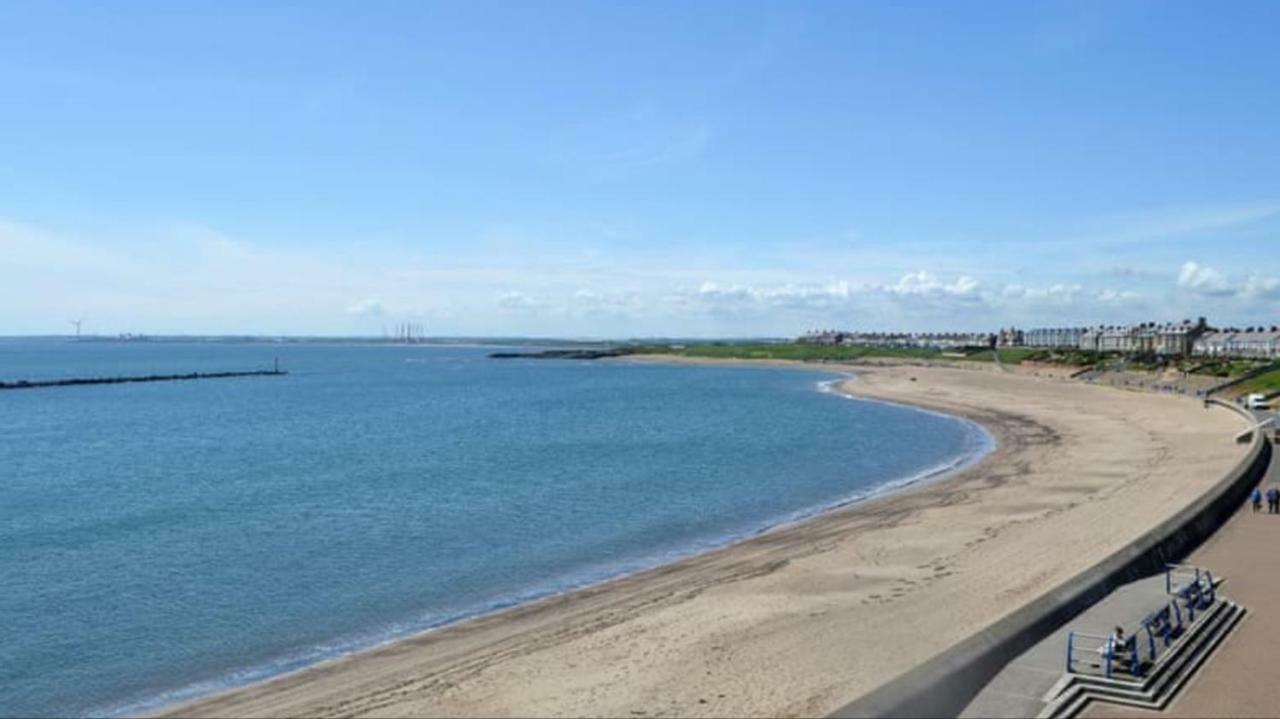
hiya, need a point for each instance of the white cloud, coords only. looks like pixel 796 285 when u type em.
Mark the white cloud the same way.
pixel 1132 272
pixel 788 295
pixel 925 284
pixel 1067 303
pixel 513 300
pixel 1204 280
pixel 1118 297
pixel 616 305
pixel 367 308
pixel 193 279
pixel 1259 287
pixel 1209 282
pixel 1062 294
pixel 590 298
pixel 917 297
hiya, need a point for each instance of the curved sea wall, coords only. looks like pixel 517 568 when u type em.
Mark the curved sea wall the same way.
pixel 944 685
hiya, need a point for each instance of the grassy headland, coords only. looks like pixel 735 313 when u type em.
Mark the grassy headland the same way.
pixel 804 352
pixel 1101 361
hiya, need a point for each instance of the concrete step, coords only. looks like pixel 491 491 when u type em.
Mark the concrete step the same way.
pixel 1194 657
pixel 1169 662
pixel 1179 662
pixel 1164 664
pixel 1183 661
pixel 1164 680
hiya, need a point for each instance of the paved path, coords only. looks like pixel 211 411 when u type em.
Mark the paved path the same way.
pixel 1019 689
pixel 1240 679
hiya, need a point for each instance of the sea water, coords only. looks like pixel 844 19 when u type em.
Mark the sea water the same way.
pixel 162 541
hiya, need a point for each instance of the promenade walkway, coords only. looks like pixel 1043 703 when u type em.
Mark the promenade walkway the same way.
pixel 1019 689
pixel 1239 679
pixel 1236 681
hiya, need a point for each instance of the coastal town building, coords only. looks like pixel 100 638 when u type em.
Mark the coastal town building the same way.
pixel 822 337
pixel 1090 339
pixel 1178 339
pixel 1116 338
pixel 1213 344
pixel 1252 342
pixel 1053 337
pixel 1010 337
pixel 913 340
pixel 1170 339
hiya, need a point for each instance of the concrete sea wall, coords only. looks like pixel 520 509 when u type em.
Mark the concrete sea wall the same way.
pixel 944 685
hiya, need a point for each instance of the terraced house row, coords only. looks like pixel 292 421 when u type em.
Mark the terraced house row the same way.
pixel 1253 342
pixel 913 340
pixel 1171 339
pixel 1166 339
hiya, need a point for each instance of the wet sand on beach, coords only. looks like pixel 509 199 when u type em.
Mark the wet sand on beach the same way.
pixel 801 620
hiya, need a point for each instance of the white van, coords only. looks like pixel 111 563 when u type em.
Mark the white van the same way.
pixel 1256 401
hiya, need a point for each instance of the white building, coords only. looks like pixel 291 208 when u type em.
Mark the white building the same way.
pixel 1053 337
pixel 1253 342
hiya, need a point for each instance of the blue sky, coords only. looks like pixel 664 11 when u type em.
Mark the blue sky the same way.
pixel 627 169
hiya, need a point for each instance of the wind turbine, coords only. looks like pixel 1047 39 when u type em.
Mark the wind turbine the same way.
pixel 76 324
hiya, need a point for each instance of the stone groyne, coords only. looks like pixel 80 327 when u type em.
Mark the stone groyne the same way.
pixel 78 381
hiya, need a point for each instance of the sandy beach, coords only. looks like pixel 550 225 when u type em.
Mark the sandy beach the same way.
pixel 808 617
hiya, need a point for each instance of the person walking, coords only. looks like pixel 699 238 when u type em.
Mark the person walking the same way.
pixel 1257 499
pixel 1273 500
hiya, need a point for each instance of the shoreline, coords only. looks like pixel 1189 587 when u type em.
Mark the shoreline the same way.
pixel 984 443
pixel 362 683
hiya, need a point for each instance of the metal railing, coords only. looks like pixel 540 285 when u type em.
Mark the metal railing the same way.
pixel 1190 589
pixel 1106 656
pixel 1193 585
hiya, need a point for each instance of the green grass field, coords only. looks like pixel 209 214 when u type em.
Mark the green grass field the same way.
pixel 1224 368
pixel 1262 384
pixel 1075 358
pixel 815 353
pixel 783 351
pixel 800 352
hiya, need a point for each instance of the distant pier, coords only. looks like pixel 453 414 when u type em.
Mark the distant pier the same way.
pixel 77 381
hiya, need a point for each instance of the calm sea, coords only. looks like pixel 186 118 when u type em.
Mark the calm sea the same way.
pixel 158 541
